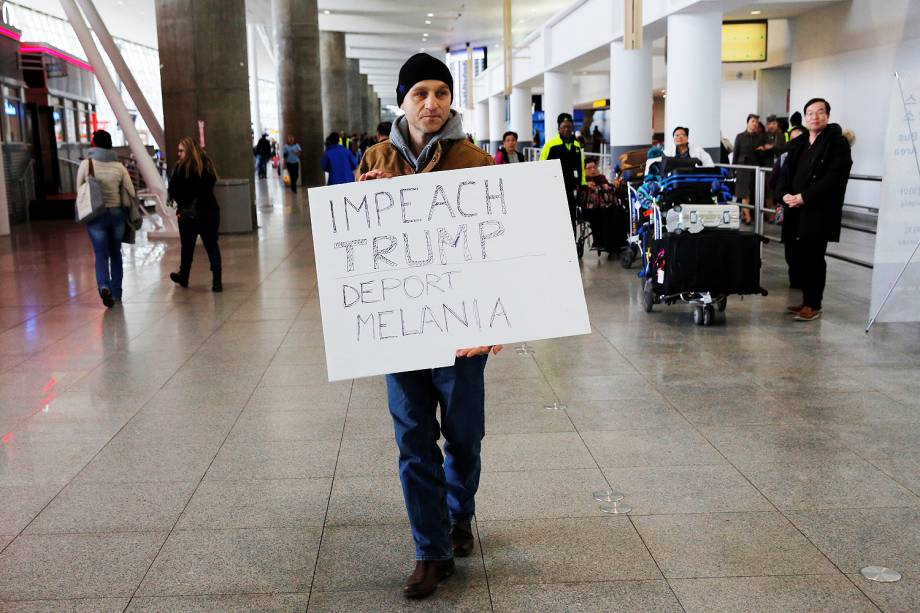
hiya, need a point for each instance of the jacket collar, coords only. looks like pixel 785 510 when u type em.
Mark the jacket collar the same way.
pixel 399 138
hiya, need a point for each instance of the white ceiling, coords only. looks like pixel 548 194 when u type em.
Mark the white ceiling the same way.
pixel 379 33
pixel 383 33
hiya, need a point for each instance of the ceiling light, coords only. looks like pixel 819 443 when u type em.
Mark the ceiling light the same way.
pixel 327 12
pixel 756 12
pixel 430 14
pixel 425 34
pixel 427 22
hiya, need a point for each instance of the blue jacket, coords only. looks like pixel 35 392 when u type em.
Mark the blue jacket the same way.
pixel 340 164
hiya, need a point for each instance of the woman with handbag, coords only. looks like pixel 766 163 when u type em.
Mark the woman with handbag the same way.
pixel 107 229
pixel 191 186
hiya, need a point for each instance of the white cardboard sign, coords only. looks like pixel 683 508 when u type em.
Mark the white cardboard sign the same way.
pixel 411 269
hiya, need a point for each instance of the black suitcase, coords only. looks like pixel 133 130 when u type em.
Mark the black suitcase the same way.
pixel 720 263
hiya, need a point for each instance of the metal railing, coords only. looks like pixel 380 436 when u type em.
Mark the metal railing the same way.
pixel 68 169
pixel 26 185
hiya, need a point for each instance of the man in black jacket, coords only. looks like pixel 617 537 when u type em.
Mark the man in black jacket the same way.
pixel 812 186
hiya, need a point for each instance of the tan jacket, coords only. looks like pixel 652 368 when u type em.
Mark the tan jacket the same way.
pixel 448 155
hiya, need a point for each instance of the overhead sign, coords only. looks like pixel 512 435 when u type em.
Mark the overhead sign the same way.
pixel 411 269
pixel 895 276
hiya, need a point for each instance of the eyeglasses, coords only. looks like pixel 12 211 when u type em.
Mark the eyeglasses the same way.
pixel 817 113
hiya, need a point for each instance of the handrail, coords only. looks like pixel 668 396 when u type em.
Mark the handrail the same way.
pixel 28 169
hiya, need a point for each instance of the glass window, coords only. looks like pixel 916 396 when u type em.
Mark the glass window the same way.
pixel 85 132
pixel 70 133
pixel 12 121
pixel 57 113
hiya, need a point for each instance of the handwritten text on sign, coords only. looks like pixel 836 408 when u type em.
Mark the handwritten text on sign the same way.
pixel 412 268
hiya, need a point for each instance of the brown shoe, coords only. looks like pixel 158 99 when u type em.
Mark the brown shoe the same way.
pixel 808 314
pixel 461 538
pixel 795 308
pixel 426 576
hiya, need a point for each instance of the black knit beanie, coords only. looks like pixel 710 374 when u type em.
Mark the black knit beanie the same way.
pixel 564 117
pixel 422 67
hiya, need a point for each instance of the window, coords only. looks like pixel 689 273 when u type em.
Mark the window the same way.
pixel 57 114
pixel 12 121
pixel 70 134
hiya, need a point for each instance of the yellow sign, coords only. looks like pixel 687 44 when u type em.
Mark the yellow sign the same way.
pixel 600 104
pixel 744 41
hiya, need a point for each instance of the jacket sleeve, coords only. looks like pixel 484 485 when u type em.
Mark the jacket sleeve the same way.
pixel 836 175
pixel 544 153
pixel 352 160
pixel 362 166
pixel 498 157
pixel 325 162
pixel 126 181
pixel 736 150
pixel 581 154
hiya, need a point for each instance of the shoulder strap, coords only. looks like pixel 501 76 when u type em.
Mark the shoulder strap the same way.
pixel 92 172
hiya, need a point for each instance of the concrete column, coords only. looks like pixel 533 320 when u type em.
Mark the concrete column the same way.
pixel 353 85
pixel 300 83
pixel 630 116
pixel 481 122
pixel 362 98
pixel 372 114
pixel 335 81
pixel 557 98
pixel 522 116
pixel 205 78
pixel 694 72
pixel 254 99
pixel 496 120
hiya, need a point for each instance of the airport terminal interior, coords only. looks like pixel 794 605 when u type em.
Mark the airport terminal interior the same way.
pixel 183 449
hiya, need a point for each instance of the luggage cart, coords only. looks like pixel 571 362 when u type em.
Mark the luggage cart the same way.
pixel 700 269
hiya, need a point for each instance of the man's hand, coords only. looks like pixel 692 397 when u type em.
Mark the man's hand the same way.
pixel 793 200
pixel 375 174
pixel 472 352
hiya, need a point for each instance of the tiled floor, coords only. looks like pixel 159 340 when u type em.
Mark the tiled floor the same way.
pixel 183 452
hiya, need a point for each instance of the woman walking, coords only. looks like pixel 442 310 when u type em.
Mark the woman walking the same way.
pixel 191 186
pixel 107 230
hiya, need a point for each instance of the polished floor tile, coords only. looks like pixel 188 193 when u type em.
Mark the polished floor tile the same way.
pixel 185 452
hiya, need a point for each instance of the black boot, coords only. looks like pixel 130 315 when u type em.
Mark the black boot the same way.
pixel 216 284
pixel 179 279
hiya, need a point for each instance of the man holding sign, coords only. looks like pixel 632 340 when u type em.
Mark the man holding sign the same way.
pixel 439 491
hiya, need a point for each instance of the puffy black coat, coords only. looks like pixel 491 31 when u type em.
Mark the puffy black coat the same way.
pixel 821 214
pixel 186 190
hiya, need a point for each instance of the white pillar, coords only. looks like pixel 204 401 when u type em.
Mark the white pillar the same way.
pixel 694 77
pixel 557 98
pixel 254 105
pixel 145 165
pixel 481 114
pixel 496 120
pixel 630 117
pixel 123 72
pixel 522 115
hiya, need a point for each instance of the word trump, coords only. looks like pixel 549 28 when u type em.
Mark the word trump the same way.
pixel 450 242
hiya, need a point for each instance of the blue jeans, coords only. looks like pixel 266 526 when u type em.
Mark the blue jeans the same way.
pixel 439 490
pixel 106 232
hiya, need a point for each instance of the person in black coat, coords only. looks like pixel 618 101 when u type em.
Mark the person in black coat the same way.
pixel 191 186
pixel 812 186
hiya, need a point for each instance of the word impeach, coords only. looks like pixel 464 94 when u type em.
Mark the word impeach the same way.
pixel 396 250
pixel 411 269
